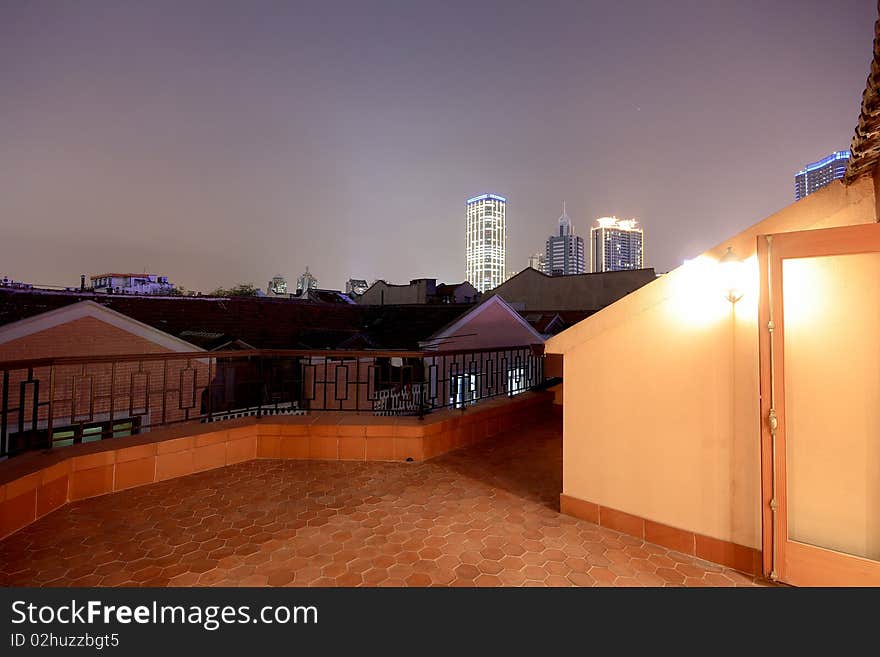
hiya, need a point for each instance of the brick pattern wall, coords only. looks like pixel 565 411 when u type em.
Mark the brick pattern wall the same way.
pixel 156 391
pixel 85 336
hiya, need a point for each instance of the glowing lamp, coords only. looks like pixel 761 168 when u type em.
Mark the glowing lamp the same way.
pixel 731 275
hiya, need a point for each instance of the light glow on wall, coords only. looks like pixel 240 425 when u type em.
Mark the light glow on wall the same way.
pixel 806 292
pixel 698 291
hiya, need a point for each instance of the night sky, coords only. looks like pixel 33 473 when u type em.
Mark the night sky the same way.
pixel 224 142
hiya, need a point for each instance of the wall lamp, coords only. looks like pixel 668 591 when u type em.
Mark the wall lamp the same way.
pixel 732 275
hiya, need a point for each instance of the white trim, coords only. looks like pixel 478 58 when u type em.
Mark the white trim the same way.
pixel 59 316
pixel 495 300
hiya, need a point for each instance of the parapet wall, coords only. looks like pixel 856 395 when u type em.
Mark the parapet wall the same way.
pixel 34 485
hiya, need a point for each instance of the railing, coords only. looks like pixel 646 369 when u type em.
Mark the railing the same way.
pixel 62 401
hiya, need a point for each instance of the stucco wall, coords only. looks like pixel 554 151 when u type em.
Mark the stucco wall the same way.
pixel 661 412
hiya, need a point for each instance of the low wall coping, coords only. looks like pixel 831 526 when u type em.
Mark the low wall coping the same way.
pixel 21 466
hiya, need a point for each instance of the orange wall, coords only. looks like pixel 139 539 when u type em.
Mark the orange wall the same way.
pixel 661 412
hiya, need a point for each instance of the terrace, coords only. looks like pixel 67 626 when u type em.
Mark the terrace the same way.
pixel 301 468
pixel 483 515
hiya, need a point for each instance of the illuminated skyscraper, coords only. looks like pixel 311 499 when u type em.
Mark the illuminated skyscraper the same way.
pixel 564 254
pixel 486 241
pixel 616 244
pixel 816 175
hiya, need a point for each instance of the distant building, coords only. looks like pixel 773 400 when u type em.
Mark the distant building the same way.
pixel 486 241
pixel 306 282
pixel 356 286
pixel 537 261
pixel 816 175
pixel 533 292
pixel 456 293
pixel 277 286
pixel 616 244
pixel 564 252
pixel 18 285
pixel 419 291
pixel 131 284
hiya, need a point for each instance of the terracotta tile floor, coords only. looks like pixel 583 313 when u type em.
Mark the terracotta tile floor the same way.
pixel 482 516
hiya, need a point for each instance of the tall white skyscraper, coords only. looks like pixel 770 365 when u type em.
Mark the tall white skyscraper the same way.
pixel 486 250
pixel 616 244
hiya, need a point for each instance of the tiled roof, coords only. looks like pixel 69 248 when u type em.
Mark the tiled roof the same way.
pixel 542 320
pixel 535 291
pixel 211 341
pixel 264 323
pixel 410 323
pixel 865 145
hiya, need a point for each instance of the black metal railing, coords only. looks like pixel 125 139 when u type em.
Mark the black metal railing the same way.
pixel 63 401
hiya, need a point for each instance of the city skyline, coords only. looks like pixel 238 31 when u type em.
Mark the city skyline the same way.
pixel 225 151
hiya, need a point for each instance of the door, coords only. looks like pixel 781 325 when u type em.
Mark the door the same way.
pixel 820 398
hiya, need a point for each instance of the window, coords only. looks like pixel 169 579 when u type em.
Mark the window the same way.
pixel 72 434
pixel 517 381
pixel 89 433
pixel 464 390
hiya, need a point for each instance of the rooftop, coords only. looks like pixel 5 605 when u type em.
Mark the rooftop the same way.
pixel 263 323
pixel 483 197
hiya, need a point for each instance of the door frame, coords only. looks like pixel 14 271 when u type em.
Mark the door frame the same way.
pixel 772 250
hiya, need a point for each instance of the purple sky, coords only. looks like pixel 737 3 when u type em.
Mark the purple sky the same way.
pixel 220 143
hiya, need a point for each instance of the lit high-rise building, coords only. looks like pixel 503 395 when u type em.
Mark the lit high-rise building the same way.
pixel 616 244
pixel 486 245
pixel 564 253
pixel 816 175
